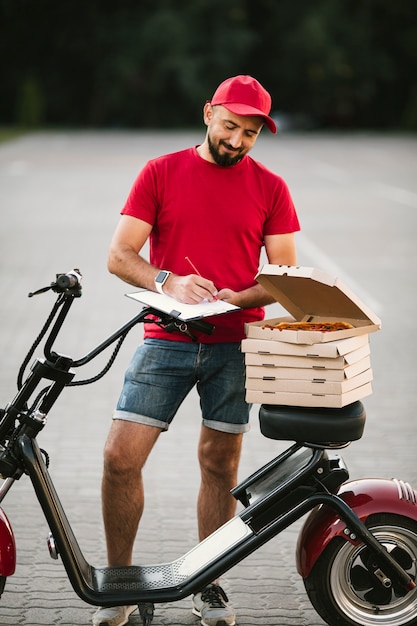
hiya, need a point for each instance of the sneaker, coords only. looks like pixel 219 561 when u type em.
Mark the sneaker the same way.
pixel 212 606
pixel 113 615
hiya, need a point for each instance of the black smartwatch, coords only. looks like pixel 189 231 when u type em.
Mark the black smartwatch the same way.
pixel 161 279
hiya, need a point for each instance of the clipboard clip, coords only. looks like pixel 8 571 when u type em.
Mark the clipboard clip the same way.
pixel 172 323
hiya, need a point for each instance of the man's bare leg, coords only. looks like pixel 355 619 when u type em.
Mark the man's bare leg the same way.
pixel 219 455
pixel 127 448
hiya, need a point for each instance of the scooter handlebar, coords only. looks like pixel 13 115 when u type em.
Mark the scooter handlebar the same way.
pixel 69 283
pixel 71 280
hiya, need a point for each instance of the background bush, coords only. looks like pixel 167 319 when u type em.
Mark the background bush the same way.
pixel 153 63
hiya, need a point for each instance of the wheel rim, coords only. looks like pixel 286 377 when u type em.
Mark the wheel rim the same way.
pixel 358 593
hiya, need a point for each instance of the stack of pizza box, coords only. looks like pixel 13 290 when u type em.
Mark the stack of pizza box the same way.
pixel 309 367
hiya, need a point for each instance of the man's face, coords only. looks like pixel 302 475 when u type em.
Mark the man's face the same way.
pixel 230 136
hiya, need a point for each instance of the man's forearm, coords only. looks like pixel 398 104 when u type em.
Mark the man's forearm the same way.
pixel 132 268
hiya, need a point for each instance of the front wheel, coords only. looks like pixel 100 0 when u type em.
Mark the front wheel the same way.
pixel 344 590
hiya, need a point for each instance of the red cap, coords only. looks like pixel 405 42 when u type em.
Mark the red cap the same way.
pixel 244 95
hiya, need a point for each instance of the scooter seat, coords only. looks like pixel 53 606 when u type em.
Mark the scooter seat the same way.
pixel 311 424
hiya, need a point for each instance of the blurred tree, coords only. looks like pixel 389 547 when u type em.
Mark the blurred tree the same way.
pixel 344 63
pixel 30 105
pixel 121 63
pixel 164 66
pixel 146 63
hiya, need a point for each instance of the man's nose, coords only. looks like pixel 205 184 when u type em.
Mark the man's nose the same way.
pixel 235 139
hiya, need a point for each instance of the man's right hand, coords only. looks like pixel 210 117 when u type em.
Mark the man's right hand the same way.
pixel 190 289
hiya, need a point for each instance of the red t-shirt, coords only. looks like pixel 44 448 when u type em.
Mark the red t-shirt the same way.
pixel 218 217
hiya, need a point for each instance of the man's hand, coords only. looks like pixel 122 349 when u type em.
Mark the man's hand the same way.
pixel 248 298
pixel 228 295
pixel 190 289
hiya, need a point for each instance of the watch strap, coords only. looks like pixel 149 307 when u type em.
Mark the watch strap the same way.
pixel 161 279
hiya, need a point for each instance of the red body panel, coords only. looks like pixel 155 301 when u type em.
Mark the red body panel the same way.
pixel 7 547
pixel 365 497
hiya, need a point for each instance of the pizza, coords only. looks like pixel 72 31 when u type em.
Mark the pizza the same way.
pixel 323 327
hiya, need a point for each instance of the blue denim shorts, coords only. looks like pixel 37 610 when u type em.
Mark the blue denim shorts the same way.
pixel 163 372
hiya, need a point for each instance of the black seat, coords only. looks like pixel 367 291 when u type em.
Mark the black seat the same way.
pixel 311 424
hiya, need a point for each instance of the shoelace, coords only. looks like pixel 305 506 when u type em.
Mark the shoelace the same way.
pixel 214 595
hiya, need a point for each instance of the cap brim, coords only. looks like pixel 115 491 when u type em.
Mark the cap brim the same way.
pixel 248 111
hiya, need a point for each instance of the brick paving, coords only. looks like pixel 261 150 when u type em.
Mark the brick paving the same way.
pixel 60 195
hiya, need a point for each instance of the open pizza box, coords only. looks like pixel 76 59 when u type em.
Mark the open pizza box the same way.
pixel 311 295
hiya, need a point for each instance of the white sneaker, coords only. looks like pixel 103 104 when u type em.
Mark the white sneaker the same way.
pixel 113 615
pixel 211 605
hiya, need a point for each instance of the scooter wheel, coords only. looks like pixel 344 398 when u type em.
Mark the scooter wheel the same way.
pixel 344 590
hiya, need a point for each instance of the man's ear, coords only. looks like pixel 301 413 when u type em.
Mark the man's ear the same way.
pixel 207 113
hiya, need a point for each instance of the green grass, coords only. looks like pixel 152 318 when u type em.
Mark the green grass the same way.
pixel 8 134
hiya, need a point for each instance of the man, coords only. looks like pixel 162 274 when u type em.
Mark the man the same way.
pixel 215 206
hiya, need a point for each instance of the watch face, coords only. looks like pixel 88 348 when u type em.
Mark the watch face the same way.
pixel 161 277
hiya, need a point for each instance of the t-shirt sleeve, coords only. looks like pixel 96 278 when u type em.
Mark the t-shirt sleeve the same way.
pixel 142 201
pixel 282 216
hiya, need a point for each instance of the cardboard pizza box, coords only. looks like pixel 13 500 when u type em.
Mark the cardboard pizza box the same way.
pixel 331 349
pixel 274 372
pixel 315 386
pixel 309 399
pixel 311 295
pixel 318 363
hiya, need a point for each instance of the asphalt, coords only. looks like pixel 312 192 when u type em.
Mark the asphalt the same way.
pixel 60 198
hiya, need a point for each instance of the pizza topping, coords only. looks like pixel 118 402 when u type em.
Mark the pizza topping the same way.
pixel 323 327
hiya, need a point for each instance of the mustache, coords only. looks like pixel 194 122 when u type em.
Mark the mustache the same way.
pixel 229 147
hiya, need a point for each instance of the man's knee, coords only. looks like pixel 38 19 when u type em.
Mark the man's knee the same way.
pixel 116 460
pixel 128 446
pixel 219 453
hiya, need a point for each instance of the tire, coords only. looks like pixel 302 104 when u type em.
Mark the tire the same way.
pixel 2 583
pixel 345 593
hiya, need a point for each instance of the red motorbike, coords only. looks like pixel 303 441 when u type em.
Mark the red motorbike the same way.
pixel 356 552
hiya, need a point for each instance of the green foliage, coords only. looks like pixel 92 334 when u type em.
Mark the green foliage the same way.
pixel 153 63
pixel 29 107
pixel 410 113
pixel 10 133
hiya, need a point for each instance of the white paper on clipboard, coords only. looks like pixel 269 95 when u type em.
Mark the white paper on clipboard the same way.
pixel 185 312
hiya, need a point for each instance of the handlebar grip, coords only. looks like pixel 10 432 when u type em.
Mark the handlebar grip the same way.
pixel 65 283
pixel 68 281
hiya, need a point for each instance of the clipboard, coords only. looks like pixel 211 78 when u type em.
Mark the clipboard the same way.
pixel 182 311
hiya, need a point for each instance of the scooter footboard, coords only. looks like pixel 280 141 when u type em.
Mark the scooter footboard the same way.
pixel 365 497
pixel 163 582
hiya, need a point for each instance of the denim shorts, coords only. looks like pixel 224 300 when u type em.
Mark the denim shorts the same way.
pixel 163 372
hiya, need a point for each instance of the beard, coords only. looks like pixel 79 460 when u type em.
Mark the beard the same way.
pixel 223 159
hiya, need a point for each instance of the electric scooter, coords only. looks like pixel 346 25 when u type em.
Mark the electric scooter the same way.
pixel 356 552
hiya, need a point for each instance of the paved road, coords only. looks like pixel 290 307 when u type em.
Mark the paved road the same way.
pixel 60 196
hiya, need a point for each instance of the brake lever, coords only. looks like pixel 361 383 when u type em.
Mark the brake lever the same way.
pixel 39 291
